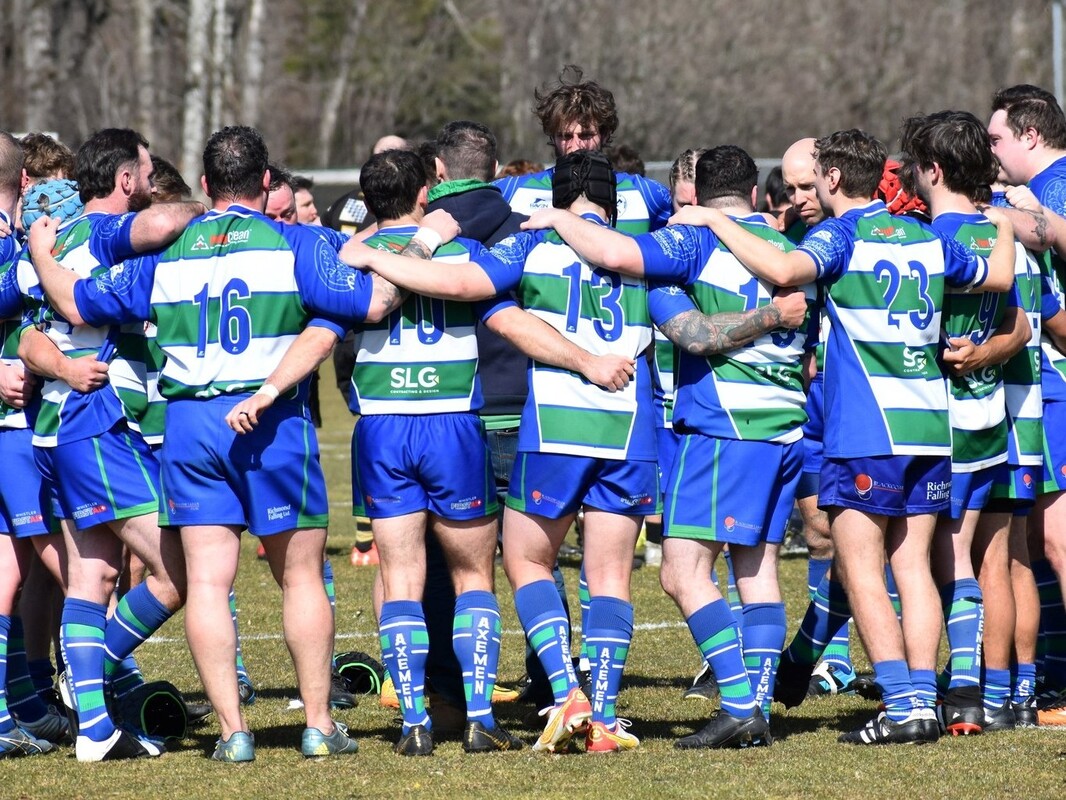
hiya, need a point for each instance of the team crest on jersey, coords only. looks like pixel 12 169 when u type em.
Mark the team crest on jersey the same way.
pixel 622 205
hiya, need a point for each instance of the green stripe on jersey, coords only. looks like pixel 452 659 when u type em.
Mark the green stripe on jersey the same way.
pixel 552 293
pixel 919 426
pixel 883 360
pixel 272 314
pixel 414 381
pixel 969 447
pixel 855 290
pixel 590 427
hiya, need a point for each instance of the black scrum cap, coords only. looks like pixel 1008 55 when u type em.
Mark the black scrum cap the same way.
pixel 586 172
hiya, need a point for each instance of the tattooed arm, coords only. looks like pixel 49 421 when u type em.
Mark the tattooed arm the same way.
pixel 706 335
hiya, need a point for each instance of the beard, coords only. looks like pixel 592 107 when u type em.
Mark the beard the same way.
pixel 139 200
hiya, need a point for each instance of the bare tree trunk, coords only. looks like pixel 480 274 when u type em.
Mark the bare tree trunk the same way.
pixel 252 74
pixel 144 13
pixel 196 82
pixel 338 86
pixel 219 48
pixel 38 64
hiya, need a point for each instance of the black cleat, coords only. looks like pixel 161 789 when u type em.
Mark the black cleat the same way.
pixel 793 681
pixel 704 687
pixel 479 739
pixel 1001 719
pixel 724 731
pixel 339 696
pixel 1025 714
pixel 197 712
pixel 919 727
pixel 416 742
pixel 867 688
pixel 962 713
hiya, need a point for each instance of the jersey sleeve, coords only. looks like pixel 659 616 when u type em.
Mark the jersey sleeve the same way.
pixel 506 259
pixel 328 287
pixel 666 301
pixel 122 294
pixel 829 245
pixel 335 238
pixel 111 239
pixel 963 268
pixel 10 294
pixel 1053 194
pixel 1050 304
pixel 507 186
pixel 675 254
pixel 660 205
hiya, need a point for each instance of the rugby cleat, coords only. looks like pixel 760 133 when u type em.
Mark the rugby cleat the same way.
pixel 1000 719
pixel 52 727
pixel 918 728
pixel 315 743
pixel 1025 713
pixel 829 680
pixel 239 748
pixel 119 746
pixel 792 682
pixel 601 739
pixel 704 685
pixel 17 743
pixel 245 691
pixel 416 742
pixel 339 696
pixel 564 720
pixel 962 712
pixel 726 731
pixel 479 739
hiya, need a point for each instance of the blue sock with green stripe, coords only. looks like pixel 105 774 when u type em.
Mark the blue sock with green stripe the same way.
pixel 765 626
pixel 547 630
pixel 964 612
pixel 137 616
pixel 331 588
pixel 7 724
pixel 583 598
pixel 897 690
pixel 732 594
pixel 716 633
pixel 609 636
pixel 997 687
pixel 476 637
pixel 22 698
pixel 81 633
pixel 404 647
pixel 838 652
pixel 893 591
pixel 827 613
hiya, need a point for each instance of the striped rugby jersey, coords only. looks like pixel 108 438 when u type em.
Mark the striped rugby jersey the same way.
pixel 884 277
pixel 601 311
pixel 423 358
pixel 228 298
pixel 754 392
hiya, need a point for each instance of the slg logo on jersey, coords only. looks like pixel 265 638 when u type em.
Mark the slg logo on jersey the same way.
pixel 914 360
pixel 408 378
pixel 864 484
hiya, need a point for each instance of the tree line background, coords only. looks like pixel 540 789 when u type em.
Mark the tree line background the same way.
pixel 323 79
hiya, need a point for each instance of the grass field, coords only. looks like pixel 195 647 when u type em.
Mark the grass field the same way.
pixel 805 760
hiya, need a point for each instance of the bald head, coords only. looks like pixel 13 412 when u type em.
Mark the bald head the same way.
pixel 391 142
pixel 797 171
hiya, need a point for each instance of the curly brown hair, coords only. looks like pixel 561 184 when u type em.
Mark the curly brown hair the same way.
pixel 573 100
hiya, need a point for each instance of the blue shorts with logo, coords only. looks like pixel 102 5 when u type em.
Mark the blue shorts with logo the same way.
pixel 725 490
pixel 25 501
pixel 269 480
pixel 1054 473
pixel 555 485
pixel 109 477
pixel 1017 489
pixel 404 463
pixel 971 491
pixel 894 486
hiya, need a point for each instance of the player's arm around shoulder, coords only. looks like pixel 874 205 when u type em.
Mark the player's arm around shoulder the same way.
pixel 162 223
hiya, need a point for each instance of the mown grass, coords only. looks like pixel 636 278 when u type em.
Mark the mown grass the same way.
pixel 805 760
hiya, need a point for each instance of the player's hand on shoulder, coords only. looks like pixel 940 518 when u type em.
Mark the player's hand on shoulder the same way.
pixel 541 219
pixel 443 223
pixel 1022 197
pixel 698 216
pixel 792 306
